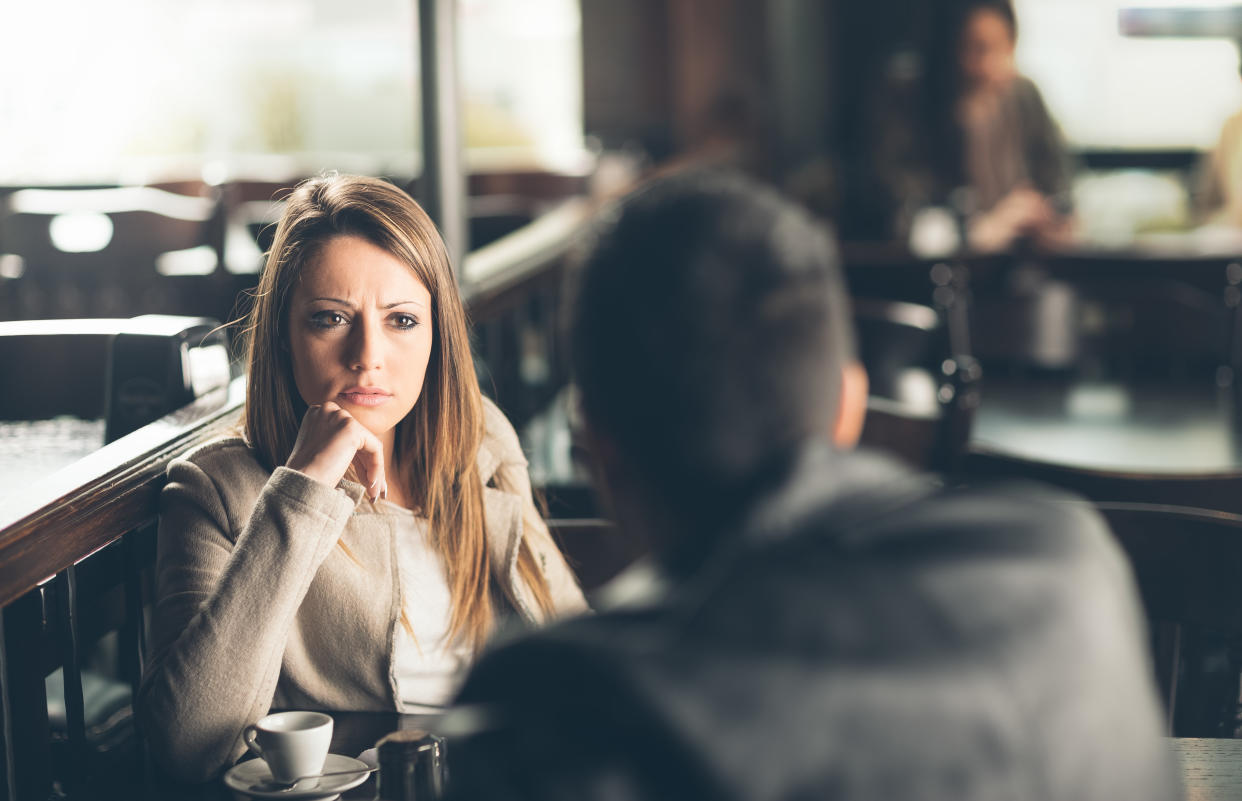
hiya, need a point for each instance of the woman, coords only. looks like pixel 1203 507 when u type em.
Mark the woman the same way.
pixel 356 548
pixel 1218 193
pixel 983 142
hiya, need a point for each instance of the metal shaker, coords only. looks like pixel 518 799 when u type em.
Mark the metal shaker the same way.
pixel 411 766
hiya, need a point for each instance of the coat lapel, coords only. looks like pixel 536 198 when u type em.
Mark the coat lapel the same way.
pixel 502 513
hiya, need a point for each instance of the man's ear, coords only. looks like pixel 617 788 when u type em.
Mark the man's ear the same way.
pixel 606 466
pixel 599 448
pixel 852 409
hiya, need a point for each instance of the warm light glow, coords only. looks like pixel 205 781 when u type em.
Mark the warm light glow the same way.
pixel 12 265
pixel 1112 91
pixel 80 232
pixel 132 91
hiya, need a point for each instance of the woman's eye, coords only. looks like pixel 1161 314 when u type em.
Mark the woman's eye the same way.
pixel 327 319
pixel 404 321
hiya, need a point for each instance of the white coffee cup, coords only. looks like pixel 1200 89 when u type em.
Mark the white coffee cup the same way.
pixel 293 744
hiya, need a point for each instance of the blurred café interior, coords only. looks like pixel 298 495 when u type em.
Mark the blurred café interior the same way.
pixel 1049 289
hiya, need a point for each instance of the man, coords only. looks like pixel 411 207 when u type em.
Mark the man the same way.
pixel 827 624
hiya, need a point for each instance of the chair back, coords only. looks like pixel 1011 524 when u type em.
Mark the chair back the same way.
pixel 1136 316
pixel 1186 565
pixel 597 550
pixel 923 396
pixel 127 371
pixel 103 252
pixel 1186 562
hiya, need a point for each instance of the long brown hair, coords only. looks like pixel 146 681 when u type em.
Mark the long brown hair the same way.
pixel 437 443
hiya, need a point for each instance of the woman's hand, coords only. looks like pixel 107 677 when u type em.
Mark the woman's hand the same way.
pixel 329 441
pixel 1023 212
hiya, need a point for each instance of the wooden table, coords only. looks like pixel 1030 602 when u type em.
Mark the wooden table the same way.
pixel 1211 769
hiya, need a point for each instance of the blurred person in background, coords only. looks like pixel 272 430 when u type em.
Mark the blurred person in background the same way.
pixel 967 132
pixel 821 622
pixel 1219 193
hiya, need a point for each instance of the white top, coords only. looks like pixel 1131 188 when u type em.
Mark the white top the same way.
pixel 428 669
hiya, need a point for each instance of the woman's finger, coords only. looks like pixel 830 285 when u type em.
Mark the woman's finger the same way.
pixel 369 458
pixel 329 440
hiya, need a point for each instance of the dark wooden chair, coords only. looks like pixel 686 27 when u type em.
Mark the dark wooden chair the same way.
pixel 885 274
pixel 494 216
pixel 597 550
pixel 577 501
pixel 126 371
pixel 1186 562
pixel 145 251
pixel 923 395
pixel 1183 533
pixel 1137 315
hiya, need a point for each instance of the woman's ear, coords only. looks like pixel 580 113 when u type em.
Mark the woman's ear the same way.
pixel 852 408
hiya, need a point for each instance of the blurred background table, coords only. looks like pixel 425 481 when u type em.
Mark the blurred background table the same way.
pixel 1211 769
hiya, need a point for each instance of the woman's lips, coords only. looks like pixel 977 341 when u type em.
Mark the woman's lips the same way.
pixel 359 396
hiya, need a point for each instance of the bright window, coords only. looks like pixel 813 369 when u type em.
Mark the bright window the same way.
pixel 1113 91
pixel 138 90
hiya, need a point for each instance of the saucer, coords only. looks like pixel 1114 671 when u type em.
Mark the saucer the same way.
pixel 241 776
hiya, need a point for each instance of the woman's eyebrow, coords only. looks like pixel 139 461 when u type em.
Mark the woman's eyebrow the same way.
pixel 392 305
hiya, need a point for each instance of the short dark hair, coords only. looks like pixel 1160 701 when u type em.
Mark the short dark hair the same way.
pixel 709 331
pixel 1002 8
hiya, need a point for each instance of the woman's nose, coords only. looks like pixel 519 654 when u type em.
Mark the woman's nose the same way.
pixel 365 351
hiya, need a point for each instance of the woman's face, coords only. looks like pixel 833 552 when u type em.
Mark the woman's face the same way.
pixel 986 51
pixel 360 333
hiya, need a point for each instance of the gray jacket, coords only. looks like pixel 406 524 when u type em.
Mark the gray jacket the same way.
pixel 259 607
pixel 862 635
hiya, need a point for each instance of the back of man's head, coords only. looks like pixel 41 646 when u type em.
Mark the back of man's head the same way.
pixel 708 338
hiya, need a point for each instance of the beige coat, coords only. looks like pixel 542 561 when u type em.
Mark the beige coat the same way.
pixel 257 606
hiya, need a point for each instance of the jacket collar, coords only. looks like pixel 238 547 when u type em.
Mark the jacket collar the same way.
pixel 812 484
pixel 840 489
pixel 489 458
pixel 816 483
pixel 851 486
